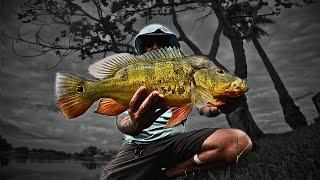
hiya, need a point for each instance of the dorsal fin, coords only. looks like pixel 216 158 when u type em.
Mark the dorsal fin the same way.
pixel 109 65
pixel 167 53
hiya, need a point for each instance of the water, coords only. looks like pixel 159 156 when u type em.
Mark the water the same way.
pixel 48 169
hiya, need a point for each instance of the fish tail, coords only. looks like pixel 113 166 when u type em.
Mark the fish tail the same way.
pixel 72 96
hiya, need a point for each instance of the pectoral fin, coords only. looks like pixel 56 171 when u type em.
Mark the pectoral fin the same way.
pixel 200 96
pixel 179 114
pixel 110 107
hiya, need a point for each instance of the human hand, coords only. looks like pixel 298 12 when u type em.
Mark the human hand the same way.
pixel 143 108
pixel 209 110
pixel 232 104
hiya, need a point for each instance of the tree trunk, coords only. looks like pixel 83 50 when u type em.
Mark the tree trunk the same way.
pixel 215 46
pixel 241 118
pixel 292 115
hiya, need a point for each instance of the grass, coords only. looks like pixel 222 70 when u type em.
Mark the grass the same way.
pixel 292 155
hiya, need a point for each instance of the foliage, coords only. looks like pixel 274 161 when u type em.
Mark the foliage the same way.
pixel 88 27
pixel 89 151
pixel 91 27
pixel 238 17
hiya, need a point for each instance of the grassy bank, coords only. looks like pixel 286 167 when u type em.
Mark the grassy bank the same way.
pixel 292 155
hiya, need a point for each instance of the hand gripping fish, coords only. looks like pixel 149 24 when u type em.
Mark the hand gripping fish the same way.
pixel 185 82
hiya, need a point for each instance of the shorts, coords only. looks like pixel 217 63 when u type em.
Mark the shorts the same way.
pixel 145 161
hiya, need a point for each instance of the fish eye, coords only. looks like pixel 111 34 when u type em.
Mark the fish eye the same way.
pixel 220 71
pixel 80 89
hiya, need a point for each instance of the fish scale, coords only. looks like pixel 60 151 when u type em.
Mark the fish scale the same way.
pixel 185 82
pixel 150 76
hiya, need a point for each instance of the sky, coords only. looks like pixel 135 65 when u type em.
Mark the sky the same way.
pixel 29 116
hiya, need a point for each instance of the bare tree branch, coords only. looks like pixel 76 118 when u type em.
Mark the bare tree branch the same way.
pixel 111 28
pixel 183 36
pixel 215 46
pixel 216 41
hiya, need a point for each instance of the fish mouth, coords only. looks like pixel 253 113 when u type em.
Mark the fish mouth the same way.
pixel 235 93
pixel 235 89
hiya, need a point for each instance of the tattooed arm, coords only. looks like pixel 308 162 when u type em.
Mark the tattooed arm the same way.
pixel 143 110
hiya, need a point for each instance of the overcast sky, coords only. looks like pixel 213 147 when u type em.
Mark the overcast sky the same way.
pixel 30 118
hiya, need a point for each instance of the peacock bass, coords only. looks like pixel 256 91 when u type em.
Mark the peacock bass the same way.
pixel 185 82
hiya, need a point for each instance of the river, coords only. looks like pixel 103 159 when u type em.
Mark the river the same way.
pixel 48 169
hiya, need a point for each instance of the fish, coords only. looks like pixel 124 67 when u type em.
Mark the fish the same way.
pixel 185 82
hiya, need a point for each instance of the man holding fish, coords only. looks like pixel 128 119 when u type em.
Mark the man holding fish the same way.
pixel 152 149
pixel 157 90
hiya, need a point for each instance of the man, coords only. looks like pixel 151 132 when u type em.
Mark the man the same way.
pixel 151 150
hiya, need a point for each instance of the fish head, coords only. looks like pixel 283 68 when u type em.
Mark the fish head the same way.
pixel 200 62
pixel 220 82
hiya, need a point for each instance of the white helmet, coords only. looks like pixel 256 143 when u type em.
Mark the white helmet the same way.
pixel 166 37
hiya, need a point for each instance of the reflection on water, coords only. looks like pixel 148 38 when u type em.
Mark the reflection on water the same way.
pixel 92 165
pixel 22 168
pixel 4 161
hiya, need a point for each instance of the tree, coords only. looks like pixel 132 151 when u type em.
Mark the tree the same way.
pixel 89 151
pixel 293 117
pixel 86 27
pixel 4 145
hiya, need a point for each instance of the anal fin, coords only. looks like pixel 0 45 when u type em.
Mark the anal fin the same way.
pixel 110 107
pixel 179 114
